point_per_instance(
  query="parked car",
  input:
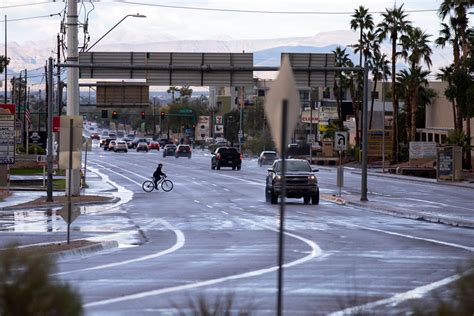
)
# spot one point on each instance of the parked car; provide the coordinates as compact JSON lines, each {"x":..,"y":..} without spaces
{"x":267,"y":157}
{"x":154,"y":145}
{"x":95,"y":136}
{"x":142,"y":146}
{"x":169,"y":150}
{"x":300,"y":181}
{"x":226,"y":157}
{"x":121,"y":146}
{"x":183,"y":151}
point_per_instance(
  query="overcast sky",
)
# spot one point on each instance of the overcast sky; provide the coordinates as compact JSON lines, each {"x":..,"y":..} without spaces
{"x":164,"y":23}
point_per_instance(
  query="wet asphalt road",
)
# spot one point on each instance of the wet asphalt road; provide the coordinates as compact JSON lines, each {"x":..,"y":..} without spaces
{"x":215,"y":235}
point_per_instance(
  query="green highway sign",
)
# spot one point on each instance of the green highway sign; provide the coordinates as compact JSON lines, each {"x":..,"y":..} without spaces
{"x":185,"y":111}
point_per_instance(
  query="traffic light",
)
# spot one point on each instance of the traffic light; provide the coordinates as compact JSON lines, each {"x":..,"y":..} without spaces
{"x":114,"y":115}
{"x":162,"y":114}
{"x":105,"y":114}
{"x":143,"y":115}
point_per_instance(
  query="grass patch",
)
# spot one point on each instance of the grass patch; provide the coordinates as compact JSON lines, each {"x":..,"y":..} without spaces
{"x":26,"y":171}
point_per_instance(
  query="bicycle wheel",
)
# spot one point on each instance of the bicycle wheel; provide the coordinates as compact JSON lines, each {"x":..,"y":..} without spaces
{"x":148,"y":186}
{"x":167,"y":185}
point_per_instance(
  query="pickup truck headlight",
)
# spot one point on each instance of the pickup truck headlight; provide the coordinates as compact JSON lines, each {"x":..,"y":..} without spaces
{"x":277,"y":179}
{"x":312,"y":179}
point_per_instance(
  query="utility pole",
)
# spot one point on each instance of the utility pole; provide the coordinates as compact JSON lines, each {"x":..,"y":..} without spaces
{"x":72,"y":84}
{"x":6,"y":59}
{"x":25,"y":133}
{"x":50,"y":131}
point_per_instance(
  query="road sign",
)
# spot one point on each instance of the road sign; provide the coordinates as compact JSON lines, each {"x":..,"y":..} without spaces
{"x":219,"y":119}
{"x":340,"y":141}
{"x":283,"y":90}
{"x":63,"y":212}
{"x":185,"y":111}
{"x":7,"y":134}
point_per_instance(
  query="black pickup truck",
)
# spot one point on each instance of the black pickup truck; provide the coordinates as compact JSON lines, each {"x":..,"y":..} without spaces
{"x":226,"y":157}
{"x":300,"y":181}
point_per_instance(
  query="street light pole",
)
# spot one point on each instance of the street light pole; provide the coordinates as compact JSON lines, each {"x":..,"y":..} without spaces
{"x":132,"y":15}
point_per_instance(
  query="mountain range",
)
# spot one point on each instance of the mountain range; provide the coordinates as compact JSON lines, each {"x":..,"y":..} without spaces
{"x":32,"y":55}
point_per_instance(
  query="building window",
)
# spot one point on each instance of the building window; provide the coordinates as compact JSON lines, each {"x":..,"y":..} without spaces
{"x":437,"y":138}
{"x":430,"y":137}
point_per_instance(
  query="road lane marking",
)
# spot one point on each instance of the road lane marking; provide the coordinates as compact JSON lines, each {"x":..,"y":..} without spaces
{"x":180,"y":240}
{"x":209,"y":206}
{"x":439,"y":242}
{"x":315,"y":251}
{"x":225,"y":189}
{"x":197,"y":201}
{"x":418,"y":292}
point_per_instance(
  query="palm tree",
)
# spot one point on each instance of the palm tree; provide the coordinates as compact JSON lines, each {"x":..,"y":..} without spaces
{"x":3,"y":63}
{"x":393,"y":25}
{"x":362,"y":20}
{"x":380,"y":71}
{"x":446,"y":74}
{"x":172,"y":90}
{"x":415,"y":50}
{"x":415,"y":47}
{"x":457,"y":9}
{"x":449,"y":35}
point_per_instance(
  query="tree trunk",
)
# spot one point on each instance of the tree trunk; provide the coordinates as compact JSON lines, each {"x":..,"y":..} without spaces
{"x":454,"y":116}
{"x":394,"y":106}
{"x":372,"y":104}
{"x":468,"y":162}
{"x":408,"y":106}
{"x":414,"y":109}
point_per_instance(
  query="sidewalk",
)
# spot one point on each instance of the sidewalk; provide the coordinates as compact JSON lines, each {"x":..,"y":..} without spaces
{"x":400,"y":207}
{"x":21,"y":195}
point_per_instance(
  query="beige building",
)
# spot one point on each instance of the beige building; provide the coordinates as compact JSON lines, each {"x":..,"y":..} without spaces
{"x":439,"y":118}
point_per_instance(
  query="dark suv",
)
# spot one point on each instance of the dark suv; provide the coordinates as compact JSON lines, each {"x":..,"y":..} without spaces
{"x":183,"y":151}
{"x":300,"y":181}
{"x":226,"y":157}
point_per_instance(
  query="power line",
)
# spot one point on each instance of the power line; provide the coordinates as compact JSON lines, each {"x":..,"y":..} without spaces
{"x":32,"y":17}
{"x":23,"y":5}
{"x":264,"y":11}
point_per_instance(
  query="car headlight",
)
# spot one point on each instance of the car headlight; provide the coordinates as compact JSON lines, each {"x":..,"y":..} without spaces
{"x":312,"y":179}
{"x":277,"y":179}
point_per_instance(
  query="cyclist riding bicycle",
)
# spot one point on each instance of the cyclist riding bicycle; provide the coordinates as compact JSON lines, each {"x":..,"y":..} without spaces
{"x":157,"y":175}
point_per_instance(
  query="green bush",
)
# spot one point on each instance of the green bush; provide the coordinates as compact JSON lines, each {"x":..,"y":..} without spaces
{"x":32,"y":149}
{"x":26,"y":287}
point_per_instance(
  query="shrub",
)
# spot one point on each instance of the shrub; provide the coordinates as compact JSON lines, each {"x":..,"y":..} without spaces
{"x":26,"y":287}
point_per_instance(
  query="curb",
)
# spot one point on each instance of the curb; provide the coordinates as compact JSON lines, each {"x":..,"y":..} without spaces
{"x":412,"y":215}
{"x":17,"y":208}
{"x":82,"y":251}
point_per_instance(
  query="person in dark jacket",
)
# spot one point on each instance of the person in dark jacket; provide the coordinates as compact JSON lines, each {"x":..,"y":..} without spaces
{"x":157,"y":175}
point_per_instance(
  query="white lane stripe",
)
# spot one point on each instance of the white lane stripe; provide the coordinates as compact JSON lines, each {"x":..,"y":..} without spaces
{"x":316,"y":251}
{"x":418,"y":292}
{"x":225,"y":189}
{"x":401,"y":297}
{"x":209,"y":206}
{"x":197,"y":201}
{"x":439,"y":242}
{"x":180,"y":240}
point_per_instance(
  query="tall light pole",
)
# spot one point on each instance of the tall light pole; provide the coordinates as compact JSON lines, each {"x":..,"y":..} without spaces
{"x":128,"y":15}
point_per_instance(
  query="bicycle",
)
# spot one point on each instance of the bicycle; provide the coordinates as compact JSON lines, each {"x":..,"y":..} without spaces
{"x":149,"y":185}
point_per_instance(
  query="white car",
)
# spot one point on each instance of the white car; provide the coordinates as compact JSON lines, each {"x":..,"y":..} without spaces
{"x":121,"y":146}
